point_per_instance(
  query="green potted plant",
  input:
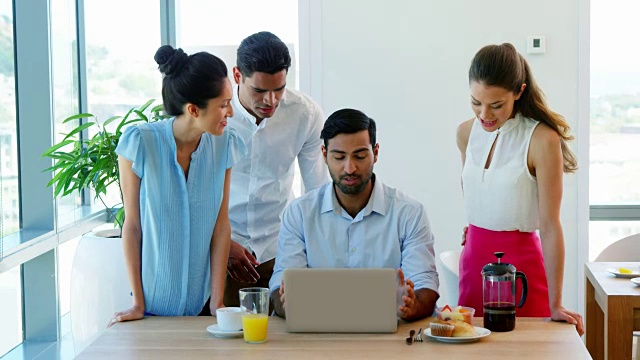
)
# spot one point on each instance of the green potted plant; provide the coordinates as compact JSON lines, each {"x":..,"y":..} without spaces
{"x":92,"y":163}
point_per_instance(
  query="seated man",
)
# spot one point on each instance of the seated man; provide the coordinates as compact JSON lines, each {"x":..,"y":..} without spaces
{"x":358,"y":222}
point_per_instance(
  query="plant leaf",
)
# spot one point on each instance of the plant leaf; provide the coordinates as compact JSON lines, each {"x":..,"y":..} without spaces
{"x":110,"y":120}
{"x":119,"y":218}
{"x":78,"y":129}
{"x":118,"y":130}
{"x":146,"y":105}
{"x":142,"y":115}
{"x":56,"y":147}
{"x":61,"y":156}
{"x":126,"y":116}
{"x":78,"y":116}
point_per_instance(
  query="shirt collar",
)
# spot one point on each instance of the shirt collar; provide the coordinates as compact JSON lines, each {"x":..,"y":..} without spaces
{"x":376,"y":202}
{"x":511,"y":123}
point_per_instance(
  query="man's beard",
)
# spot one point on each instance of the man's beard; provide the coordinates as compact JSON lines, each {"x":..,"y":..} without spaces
{"x":352,"y":189}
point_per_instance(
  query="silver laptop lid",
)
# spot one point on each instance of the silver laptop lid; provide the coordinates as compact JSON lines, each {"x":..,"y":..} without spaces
{"x":340,"y":300}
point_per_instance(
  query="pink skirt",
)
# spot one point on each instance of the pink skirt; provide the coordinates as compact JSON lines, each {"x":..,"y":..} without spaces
{"x":521,"y":249}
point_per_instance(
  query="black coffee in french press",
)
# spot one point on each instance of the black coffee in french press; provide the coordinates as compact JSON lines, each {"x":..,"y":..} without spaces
{"x":499,"y":294}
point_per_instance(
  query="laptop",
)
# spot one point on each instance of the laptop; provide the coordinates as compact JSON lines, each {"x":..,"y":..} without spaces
{"x":340,"y":300}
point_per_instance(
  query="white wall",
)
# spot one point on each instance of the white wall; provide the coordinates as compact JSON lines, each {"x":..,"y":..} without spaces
{"x":405,"y":64}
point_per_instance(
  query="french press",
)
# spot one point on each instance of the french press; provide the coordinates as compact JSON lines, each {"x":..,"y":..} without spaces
{"x":499,"y":294}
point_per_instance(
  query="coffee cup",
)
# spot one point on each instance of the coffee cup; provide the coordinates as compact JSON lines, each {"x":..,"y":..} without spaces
{"x":229,"y":318}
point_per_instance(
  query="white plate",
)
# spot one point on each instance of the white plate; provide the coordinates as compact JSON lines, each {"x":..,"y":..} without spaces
{"x":617,"y":273}
{"x":636,"y":281}
{"x":215,"y":330}
{"x":480,"y":333}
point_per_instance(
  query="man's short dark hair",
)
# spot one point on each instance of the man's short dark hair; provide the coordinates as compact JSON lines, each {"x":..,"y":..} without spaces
{"x":263,"y":52}
{"x":348,"y":121}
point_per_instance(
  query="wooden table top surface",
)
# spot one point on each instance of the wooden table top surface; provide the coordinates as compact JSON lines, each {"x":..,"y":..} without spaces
{"x":187,"y":338}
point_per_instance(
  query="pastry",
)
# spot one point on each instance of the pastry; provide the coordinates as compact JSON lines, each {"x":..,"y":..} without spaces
{"x":441,"y":328}
{"x":462,"y":329}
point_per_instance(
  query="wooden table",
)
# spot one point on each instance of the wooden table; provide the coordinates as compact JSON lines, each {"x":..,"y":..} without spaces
{"x":187,"y":338}
{"x":612,"y":311}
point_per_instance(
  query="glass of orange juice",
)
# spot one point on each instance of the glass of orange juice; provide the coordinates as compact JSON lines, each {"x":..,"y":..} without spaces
{"x":254,"y":303}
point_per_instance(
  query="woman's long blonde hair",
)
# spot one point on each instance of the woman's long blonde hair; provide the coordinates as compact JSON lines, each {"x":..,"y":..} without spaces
{"x":503,"y":66}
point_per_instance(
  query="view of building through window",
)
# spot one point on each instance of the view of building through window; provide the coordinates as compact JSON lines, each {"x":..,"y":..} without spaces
{"x":64,"y":63}
{"x":614,"y":167}
{"x":10,"y":282}
{"x":121,"y":74}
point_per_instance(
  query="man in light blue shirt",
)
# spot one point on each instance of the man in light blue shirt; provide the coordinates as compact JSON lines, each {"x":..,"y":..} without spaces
{"x":358,"y":222}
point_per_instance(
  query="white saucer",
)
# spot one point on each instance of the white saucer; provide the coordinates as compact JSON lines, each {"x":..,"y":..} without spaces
{"x":636,"y":281}
{"x":480,"y":333}
{"x":215,"y":330}
{"x":617,"y":273}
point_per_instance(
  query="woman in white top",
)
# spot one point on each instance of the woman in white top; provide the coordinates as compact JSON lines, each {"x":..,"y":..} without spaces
{"x":514,"y":153}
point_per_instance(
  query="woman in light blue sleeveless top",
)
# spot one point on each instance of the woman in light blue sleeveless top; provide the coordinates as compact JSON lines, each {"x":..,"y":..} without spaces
{"x":175,"y":176}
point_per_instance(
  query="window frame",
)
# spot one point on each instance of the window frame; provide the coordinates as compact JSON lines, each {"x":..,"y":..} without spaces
{"x":39,"y":236}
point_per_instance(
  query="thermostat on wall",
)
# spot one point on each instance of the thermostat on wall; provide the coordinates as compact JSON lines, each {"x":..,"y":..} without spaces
{"x":535,"y":45}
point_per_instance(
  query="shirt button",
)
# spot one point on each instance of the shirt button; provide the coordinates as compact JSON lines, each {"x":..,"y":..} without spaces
{"x":353,"y":250}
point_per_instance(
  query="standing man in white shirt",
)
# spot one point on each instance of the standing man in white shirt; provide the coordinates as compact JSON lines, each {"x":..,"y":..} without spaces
{"x":278,"y":125}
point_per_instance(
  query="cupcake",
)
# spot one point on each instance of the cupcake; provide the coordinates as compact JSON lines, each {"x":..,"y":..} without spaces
{"x":441,"y":328}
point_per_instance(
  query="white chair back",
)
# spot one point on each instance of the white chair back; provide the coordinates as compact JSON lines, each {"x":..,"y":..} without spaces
{"x":625,"y":249}
{"x":449,"y":275}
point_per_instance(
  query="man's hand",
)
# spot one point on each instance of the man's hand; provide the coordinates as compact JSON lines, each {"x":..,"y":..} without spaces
{"x":405,"y":290}
{"x":278,"y":300}
{"x":282,"y":294}
{"x":241,"y":265}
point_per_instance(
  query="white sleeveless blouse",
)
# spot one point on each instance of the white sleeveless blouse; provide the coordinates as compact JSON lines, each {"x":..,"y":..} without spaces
{"x":503,"y":197}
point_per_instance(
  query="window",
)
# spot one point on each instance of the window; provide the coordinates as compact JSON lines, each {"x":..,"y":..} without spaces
{"x":121,"y":72}
{"x":615,"y":119}
{"x":65,"y":89}
{"x":608,"y":232}
{"x":9,"y":220}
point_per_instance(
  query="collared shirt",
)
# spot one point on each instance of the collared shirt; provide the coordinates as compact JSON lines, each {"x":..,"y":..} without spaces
{"x":177,"y":215}
{"x":261,"y":183}
{"x":392,"y":231}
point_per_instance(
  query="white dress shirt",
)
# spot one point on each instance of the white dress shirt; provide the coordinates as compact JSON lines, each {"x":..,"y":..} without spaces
{"x":392,"y":231}
{"x":261,"y":183}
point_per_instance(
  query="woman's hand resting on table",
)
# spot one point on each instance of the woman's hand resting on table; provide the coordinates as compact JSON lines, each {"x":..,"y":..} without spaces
{"x":562,"y":314}
{"x":134,"y":313}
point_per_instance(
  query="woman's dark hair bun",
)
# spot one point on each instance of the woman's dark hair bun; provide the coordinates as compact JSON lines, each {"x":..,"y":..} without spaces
{"x":170,"y":60}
